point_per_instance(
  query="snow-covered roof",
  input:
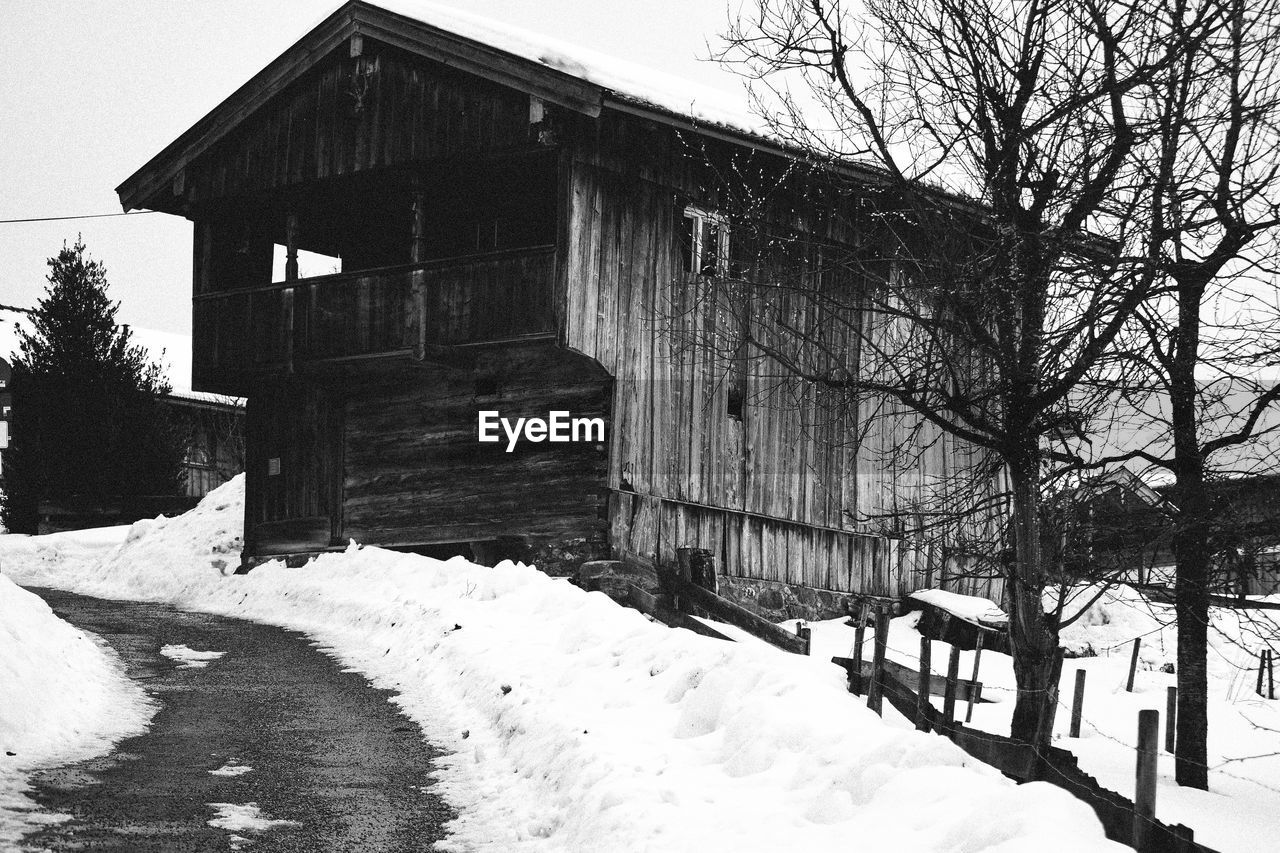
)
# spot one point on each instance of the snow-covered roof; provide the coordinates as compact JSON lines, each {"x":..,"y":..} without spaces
{"x":970,"y":608}
{"x":625,"y":80}
{"x":170,"y":349}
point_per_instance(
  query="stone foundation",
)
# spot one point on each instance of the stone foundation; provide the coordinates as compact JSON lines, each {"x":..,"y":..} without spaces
{"x":614,"y":578}
{"x":779,"y":602}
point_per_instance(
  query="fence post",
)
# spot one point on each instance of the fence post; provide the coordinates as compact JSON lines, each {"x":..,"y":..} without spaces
{"x":973,"y":682}
{"x":949,"y":696}
{"x":1262,"y":657}
{"x":702,"y":568}
{"x":1133,"y":663}
{"x":806,"y":635}
{"x":875,"y":689}
{"x":1144,"y":795}
{"x":860,"y":635}
{"x":1271,"y":674}
{"x":1077,"y":703}
{"x":922,"y":684}
{"x":1171,"y":721}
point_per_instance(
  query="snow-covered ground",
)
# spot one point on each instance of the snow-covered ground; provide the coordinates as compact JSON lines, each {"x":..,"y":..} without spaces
{"x":1241,"y":811}
{"x":573,"y":724}
{"x":63,"y":697}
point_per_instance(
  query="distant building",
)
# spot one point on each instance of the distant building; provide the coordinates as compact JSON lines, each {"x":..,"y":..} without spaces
{"x":214,"y":425}
{"x":1129,"y":527}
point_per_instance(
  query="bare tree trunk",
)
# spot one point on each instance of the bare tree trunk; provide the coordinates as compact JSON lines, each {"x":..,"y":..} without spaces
{"x":1190,"y":547}
{"x":1033,"y":643}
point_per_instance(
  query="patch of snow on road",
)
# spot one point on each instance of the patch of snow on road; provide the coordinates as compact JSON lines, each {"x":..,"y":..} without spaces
{"x":570,"y":723}
{"x":231,"y":769}
{"x":244,"y":817}
{"x":64,"y":697}
{"x":189,"y":658}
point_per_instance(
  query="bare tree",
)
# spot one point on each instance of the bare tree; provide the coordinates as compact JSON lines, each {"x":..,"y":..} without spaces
{"x":1213,"y":323}
{"x":993,"y":325}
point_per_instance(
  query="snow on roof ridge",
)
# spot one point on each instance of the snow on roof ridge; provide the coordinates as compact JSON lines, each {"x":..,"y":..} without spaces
{"x":631,"y":81}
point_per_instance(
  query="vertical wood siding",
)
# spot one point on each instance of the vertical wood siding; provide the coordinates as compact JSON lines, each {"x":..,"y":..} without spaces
{"x":781,"y":494}
{"x":357,"y":113}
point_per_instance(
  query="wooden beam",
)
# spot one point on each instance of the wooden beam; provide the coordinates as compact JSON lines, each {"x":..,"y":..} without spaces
{"x":734,"y":614}
{"x":479,"y":59}
{"x":660,"y":609}
{"x":907,"y":675}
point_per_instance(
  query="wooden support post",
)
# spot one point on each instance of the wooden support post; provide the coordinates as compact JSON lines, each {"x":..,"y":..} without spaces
{"x":1271,"y":674}
{"x":949,"y":696}
{"x":702,"y":569}
{"x":418,"y":234}
{"x":1133,"y":663}
{"x":418,"y":288}
{"x":1077,"y":704}
{"x":922,"y":684}
{"x":860,"y":635}
{"x":685,"y":571}
{"x":1262,"y":657}
{"x":806,"y":634}
{"x":286,"y":310}
{"x":973,"y":682}
{"x":875,"y":690}
{"x":1144,"y":794}
{"x":1171,"y":721}
{"x":291,"y":246}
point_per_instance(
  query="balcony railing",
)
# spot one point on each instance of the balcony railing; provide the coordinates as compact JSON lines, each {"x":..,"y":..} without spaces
{"x":391,"y":311}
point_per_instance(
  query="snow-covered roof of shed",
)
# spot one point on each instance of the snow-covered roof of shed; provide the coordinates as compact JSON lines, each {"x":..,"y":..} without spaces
{"x":625,"y":80}
{"x":970,"y":608}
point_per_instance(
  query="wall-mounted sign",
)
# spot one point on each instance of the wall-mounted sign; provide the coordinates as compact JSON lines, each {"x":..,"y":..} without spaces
{"x":273,"y":466}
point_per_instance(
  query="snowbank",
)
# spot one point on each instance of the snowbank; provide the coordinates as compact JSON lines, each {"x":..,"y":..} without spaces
{"x":64,"y":698}
{"x":574,"y":724}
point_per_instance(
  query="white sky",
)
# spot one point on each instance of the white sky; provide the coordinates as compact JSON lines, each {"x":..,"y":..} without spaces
{"x":95,"y":88}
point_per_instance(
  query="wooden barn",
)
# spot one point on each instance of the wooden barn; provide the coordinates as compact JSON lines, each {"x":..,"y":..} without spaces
{"x":506,"y":229}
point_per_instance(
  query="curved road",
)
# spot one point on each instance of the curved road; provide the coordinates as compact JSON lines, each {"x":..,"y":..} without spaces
{"x":328,"y":752}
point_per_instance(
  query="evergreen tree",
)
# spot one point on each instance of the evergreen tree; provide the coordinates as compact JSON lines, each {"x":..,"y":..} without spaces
{"x":88,"y":417}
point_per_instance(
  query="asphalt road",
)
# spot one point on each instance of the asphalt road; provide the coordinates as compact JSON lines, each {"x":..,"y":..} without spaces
{"x":328,"y":752}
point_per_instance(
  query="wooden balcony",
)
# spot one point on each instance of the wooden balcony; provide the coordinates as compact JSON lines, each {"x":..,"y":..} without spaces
{"x":403,"y":311}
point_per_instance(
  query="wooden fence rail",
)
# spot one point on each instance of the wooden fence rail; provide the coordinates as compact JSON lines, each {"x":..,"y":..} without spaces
{"x":689,"y":597}
{"x":1021,"y":762}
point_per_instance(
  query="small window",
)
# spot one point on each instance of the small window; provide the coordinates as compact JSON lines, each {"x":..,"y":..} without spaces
{"x":704,"y":242}
{"x":733,"y":407}
{"x":200,"y":449}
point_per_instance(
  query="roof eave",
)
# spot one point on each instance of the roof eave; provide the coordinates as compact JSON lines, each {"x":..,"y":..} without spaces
{"x":142,"y":189}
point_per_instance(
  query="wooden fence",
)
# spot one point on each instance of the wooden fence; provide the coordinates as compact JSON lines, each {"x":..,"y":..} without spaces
{"x":1023,"y":763}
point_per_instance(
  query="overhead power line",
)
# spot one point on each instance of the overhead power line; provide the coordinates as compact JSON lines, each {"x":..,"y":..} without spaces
{"x":81,"y":216}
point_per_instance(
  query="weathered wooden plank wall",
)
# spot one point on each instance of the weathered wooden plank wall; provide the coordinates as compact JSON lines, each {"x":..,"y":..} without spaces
{"x":384,"y":108}
{"x":415,"y":472}
{"x":788,"y":492}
